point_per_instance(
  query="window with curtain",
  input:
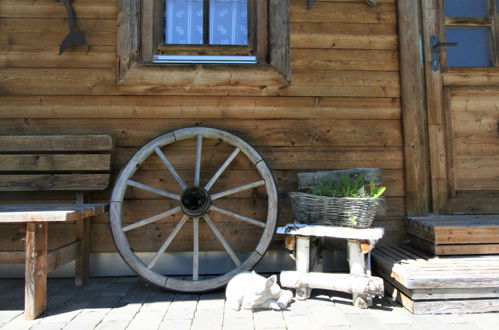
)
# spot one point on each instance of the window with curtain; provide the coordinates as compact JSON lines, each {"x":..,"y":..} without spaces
{"x":206,"y":22}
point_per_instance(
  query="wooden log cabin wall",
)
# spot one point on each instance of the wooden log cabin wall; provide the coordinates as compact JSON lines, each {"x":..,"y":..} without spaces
{"x":341,"y":109}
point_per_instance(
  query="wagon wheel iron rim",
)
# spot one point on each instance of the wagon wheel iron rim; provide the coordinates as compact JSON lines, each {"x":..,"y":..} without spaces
{"x":196,"y":203}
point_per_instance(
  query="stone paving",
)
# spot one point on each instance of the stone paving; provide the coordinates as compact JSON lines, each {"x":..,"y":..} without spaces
{"x":129,"y":303}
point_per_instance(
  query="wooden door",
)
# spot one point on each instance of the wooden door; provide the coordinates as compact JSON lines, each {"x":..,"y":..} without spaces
{"x":462,"y":94}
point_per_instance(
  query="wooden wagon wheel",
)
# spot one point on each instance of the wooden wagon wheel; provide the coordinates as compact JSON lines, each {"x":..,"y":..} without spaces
{"x":195,"y":204}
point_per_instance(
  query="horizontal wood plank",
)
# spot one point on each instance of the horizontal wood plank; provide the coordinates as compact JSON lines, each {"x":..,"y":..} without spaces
{"x":48,"y":212}
{"x":54,"y":162}
{"x":68,"y":143}
{"x":37,"y":182}
{"x":206,"y":107}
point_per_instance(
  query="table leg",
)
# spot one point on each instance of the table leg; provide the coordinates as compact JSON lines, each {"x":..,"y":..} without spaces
{"x":35,"y":296}
{"x":82,"y":231}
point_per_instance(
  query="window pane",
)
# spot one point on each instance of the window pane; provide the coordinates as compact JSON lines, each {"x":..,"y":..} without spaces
{"x":473,"y":49}
{"x":184,"y":22}
{"x":228,"y":22}
{"x":466,"y":8}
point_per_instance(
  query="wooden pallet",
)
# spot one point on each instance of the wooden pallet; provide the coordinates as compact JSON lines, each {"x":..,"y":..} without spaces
{"x":439,"y":285}
{"x":455,"y":235}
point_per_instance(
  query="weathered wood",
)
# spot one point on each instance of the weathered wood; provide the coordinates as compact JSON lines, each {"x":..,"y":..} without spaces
{"x":35,"y":294}
{"x":199,"y":134}
{"x":57,"y":162}
{"x":413,"y":109}
{"x":413,"y":273}
{"x":55,"y":143}
{"x":49,"y":212}
{"x":457,"y":229}
{"x":12,"y":257}
{"x":356,"y":284}
{"x":280,"y":57}
{"x":443,"y":306}
{"x":82,"y":263}
{"x":207,"y":107}
{"x":59,"y":257}
{"x":37,"y":182}
{"x":437,"y":138}
{"x":454,"y":249}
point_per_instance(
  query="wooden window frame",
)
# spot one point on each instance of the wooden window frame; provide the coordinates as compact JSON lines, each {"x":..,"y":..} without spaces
{"x":492,"y":22}
{"x":136,"y":46}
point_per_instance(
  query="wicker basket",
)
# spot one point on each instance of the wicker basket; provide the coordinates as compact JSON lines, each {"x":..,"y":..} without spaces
{"x":337,"y":211}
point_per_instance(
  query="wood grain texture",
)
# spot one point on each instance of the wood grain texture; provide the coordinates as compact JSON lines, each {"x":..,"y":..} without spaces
{"x":413,"y":109}
{"x":35,"y":294}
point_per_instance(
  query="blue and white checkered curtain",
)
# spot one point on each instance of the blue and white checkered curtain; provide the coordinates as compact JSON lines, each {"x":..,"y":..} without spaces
{"x":228,"y":22}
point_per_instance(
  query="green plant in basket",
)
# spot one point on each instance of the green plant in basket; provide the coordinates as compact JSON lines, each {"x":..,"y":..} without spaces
{"x":347,"y":187}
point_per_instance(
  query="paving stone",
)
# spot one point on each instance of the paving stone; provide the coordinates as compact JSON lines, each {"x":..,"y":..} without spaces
{"x":112,"y":325}
{"x":99,"y":283}
{"x":122,"y":313}
{"x":328,"y":315}
{"x":146,"y":320}
{"x":172,"y":324}
{"x":182,"y":307}
{"x":87,"y":319}
{"x":8,"y":315}
{"x":48,"y":326}
{"x":238,"y":324}
{"x":485,"y":321}
{"x":230,"y":314}
{"x":207,"y":321}
{"x":120,"y":287}
{"x":266,"y":319}
{"x":19,"y":323}
{"x":363,"y":321}
{"x":300,"y":322}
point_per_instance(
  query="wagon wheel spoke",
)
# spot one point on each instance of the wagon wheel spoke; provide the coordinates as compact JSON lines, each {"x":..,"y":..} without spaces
{"x":221,"y":169}
{"x":239,"y":217}
{"x":195,"y":254}
{"x":153,"y":218}
{"x":152,"y":189}
{"x":168,"y":241}
{"x":170,"y":167}
{"x":222,"y":240}
{"x":237,"y":189}
{"x":199,"y":147}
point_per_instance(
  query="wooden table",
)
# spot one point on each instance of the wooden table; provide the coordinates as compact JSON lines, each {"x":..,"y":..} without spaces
{"x":37,"y":258}
{"x":358,"y":282}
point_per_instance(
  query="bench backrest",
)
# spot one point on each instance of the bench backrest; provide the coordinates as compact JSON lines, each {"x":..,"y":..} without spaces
{"x":55,"y":162}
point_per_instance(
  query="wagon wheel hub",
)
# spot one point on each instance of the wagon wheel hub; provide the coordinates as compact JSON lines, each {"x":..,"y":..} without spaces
{"x":195,"y":201}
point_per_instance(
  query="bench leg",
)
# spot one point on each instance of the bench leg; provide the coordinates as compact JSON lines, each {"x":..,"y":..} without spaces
{"x":82,"y":262}
{"x":35,"y":294}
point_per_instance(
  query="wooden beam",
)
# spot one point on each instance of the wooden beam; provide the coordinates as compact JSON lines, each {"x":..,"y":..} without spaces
{"x":12,"y":257}
{"x":436,"y":113}
{"x":35,"y":295}
{"x":413,"y":109}
{"x":82,"y":233}
{"x":59,"y":257}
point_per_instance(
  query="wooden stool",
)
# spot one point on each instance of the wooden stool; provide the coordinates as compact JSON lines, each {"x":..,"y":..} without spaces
{"x":358,"y":282}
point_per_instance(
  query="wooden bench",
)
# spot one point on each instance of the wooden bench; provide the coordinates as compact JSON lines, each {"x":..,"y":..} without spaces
{"x":455,"y":234}
{"x":75,"y":163}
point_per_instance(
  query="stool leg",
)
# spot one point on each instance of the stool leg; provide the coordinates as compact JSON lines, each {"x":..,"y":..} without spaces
{"x":82,"y":231}
{"x":35,"y":294}
{"x":303,"y":264}
{"x":357,"y":264}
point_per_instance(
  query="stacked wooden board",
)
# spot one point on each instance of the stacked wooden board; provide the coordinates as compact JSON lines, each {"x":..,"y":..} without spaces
{"x":455,"y":235}
{"x":437,"y":285}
